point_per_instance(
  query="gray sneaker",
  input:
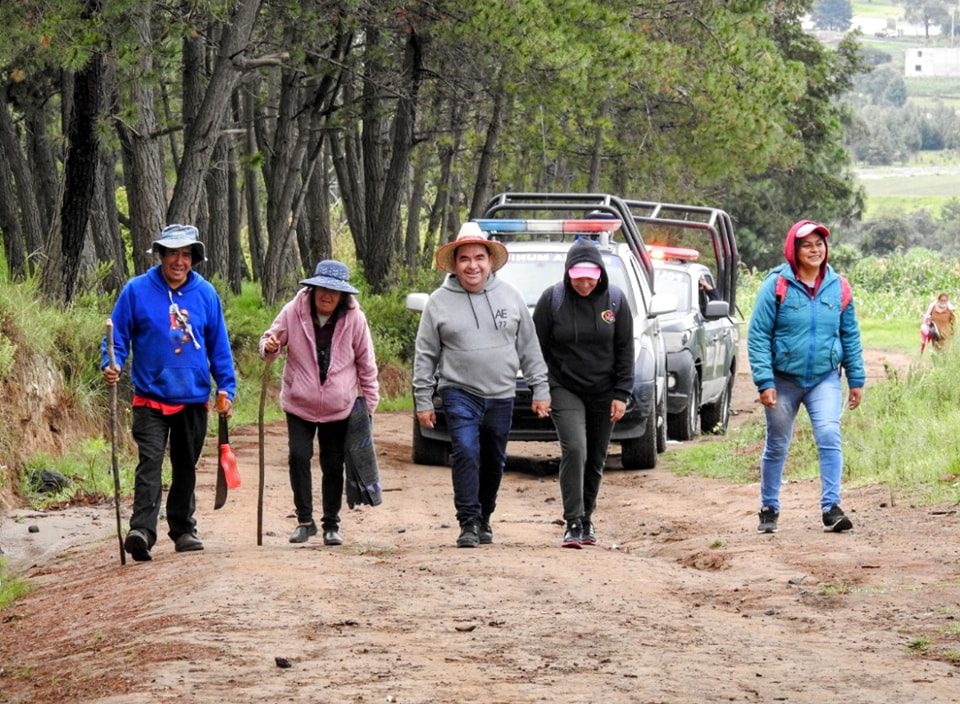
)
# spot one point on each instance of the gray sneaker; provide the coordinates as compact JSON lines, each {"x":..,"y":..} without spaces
{"x":768,"y":520}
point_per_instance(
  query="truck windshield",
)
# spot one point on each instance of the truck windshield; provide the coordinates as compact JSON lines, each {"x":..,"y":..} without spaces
{"x":675,"y":282}
{"x":533,"y":272}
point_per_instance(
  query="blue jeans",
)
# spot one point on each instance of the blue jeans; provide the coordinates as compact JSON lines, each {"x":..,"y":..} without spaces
{"x":478,"y":434}
{"x":823,"y":403}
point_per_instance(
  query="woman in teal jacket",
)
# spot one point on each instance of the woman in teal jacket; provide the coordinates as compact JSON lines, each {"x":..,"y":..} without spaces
{"x":803,"y":331}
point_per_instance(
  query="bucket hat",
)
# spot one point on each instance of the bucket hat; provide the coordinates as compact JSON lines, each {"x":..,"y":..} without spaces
{"x":331,"y":274}
{"x":177,"y":236}
{"x":470,"y":233}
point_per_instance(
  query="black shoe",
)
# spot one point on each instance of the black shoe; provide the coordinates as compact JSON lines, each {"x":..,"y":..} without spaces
{"x":331,"y":536}
{"x":187,"y":542}
{"x":835,"y":520}
{"x":137,"y":545}
{"x":303,"y":532}
{"x":588,"y":534}
{"x":768,"y":520}
{"x":486,"y":531}
{"x":469,"y":534}
{"x":573,"y":535}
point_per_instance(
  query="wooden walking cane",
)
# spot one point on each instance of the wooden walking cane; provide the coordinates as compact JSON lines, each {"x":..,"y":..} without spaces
{"x":263,"y":399}
{"x":113,"y":441}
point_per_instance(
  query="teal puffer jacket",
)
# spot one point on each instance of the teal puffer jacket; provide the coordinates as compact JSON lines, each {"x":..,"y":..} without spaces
{"x":808,"y":337}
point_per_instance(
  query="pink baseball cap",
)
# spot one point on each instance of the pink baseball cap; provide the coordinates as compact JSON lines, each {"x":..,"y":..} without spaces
{"x":584,"y":271}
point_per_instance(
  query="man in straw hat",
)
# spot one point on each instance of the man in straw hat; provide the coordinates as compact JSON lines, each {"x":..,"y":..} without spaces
{"x":171,"y":320}
{"x":475,"y":333}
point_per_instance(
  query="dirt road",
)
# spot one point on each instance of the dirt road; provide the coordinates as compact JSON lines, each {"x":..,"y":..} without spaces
{"x":680,"y":602}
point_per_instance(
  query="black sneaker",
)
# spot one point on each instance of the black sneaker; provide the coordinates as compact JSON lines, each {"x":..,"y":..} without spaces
{"x":303,"y":532}
{"x":331,"y":536}
{"x":768,"y":520}
{"x":469,"y":534}
{"x":835,"y":520}
{"x":573,"y":535}
{"x":137,"y":545}
{"x":187,"y":542}
{"x":588,"y":534}
{"x":486,"y":531}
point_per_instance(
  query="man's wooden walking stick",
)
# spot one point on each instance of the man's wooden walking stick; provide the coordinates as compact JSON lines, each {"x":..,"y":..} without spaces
{"x":113,"y":441}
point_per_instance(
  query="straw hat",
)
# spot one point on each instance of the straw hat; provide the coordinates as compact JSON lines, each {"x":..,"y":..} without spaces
{"x":470,"y":233}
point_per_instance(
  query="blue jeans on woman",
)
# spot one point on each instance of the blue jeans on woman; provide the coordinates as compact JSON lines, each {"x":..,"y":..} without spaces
{"x":478,"y":430}
{"x":824,"y":403}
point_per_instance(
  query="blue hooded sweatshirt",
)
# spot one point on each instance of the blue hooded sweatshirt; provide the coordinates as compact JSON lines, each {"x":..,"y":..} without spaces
{"x":811,"y":335}
{"x":178,"y":339}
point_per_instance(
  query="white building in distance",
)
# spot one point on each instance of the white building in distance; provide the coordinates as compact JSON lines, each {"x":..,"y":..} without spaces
{"x":919,"y":63}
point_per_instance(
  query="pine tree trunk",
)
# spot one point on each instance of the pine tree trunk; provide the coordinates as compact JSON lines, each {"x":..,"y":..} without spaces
{"x":142,"y":152}
{"x":441,"y":203}
{"x":104,"y":225}
{"x":418,"y":180}
{"x":29,"y":209}
{"x":250,"y":191}
{"x":217,"y":235}
{"x":13,"y":246}
{"x":483,"y":188}
{"x":44,"y":163}
{"x":80,"y":175}
{"x":319,"y":245}
{"x":236,"y":267}
{"x":205,"y":128}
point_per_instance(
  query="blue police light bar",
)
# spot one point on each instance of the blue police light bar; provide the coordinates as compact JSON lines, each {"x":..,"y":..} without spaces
{"x":554,"y":227}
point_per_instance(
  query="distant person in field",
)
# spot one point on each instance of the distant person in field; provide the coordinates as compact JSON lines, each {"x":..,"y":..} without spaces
{"x":802,"y":333}
{"x":939,"y":323}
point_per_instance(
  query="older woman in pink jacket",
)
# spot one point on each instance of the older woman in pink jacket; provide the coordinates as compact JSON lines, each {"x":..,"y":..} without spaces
{"x":330,"y":360}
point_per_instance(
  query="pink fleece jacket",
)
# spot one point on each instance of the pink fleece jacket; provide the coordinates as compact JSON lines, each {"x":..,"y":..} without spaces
{"x":353,"y":365}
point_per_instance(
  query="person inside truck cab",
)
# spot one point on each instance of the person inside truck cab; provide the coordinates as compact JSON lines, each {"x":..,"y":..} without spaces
{"x":707,"y":293}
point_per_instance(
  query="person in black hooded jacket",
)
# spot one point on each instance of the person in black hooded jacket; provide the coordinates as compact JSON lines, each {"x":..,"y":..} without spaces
{"x":586,"y":334}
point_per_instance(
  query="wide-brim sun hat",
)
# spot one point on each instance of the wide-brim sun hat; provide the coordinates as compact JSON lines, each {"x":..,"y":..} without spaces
{"x":331,"y":274}
{"x":470,"y":233}
{"x":177,"y":236}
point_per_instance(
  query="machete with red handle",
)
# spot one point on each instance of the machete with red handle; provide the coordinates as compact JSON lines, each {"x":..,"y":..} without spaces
{"x":228,"y":474}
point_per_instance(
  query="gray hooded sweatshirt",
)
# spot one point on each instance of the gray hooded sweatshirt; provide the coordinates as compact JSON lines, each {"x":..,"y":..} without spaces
{"x":477,"y":342}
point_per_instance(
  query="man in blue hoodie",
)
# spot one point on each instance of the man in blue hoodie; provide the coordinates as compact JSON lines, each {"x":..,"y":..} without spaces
{"x":803,"y":331}
{"x":170,"y":320}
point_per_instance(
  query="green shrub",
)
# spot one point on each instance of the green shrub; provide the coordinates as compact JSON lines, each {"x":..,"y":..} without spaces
{"x":11,"y":588}
{"x":89,"y":468}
